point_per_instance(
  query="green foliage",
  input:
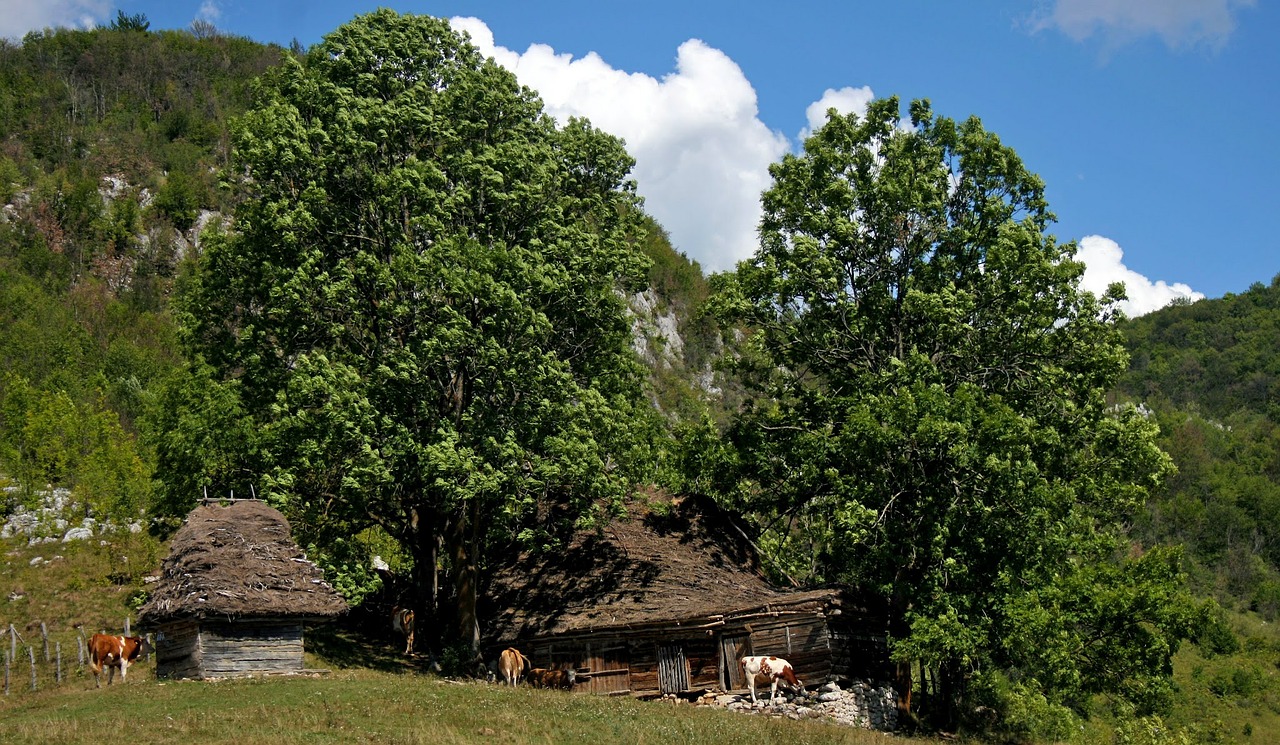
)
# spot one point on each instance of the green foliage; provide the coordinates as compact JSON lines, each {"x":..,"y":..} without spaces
{"x":47,"y":438}
{"x":131,"y":22}
{"x":177,"y":200}
{"x":1216,"y":355}
{"x":930,"y":383}
{"x":1019,"y":712}
{"x":417,"y":324}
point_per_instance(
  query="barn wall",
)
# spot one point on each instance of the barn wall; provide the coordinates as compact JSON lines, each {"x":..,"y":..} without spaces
{"x":178,"y":651}
{"x":819,"y":640}
{"x":217,"y":649}
{"x":804,"y":641}
{"x":249,"y":647}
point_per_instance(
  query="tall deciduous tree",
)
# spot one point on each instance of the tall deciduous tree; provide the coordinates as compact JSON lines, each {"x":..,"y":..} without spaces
{"x":931,"y":419}
{"x":418,"y":307}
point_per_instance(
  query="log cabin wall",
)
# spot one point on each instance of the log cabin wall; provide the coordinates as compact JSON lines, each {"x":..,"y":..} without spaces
{"x":218,"y":649}
{"x":178,"y":651}
{"x":249,"y":647}
{"x":824,"y":637}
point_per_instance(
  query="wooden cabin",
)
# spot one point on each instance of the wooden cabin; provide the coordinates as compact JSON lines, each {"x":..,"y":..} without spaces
{"x":234,"y":595}
{"x":667,"y":602}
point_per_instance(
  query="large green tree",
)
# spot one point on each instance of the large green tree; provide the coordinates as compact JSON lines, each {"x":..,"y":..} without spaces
{"x":416,"y":322}
{"x":930,"y":418}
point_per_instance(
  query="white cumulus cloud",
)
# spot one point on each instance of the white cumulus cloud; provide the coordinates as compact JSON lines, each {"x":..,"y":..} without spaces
{"x":846,"y":101}
{"x":702,"y":153}
{"x":1179,"y":23}
{"x":1104,"y":264}
{"x":18,"y":17}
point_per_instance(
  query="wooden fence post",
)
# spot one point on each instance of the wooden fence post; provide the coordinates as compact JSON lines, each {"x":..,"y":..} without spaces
{"x":44,"y":637}
{"x":80,"y":650}
{"x":57,"y":671}
{"x":7,"y":659}
{"x":126,"y":625}
{"x":31,"y":652}
{"x":13,"y":642}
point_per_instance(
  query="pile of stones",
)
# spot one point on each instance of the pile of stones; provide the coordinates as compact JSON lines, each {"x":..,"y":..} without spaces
{"x":859,"y":704}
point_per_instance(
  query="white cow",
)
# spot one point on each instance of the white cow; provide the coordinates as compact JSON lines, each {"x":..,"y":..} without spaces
{"x":775,"y":669}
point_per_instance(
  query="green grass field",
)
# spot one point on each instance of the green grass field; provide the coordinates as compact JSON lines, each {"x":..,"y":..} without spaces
{"x":369,"y":695}
{"x":351,"y":706}
{"x":372,"y":695}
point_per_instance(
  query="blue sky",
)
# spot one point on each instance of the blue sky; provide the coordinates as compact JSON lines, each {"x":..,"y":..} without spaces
{"x":1138,"y":114}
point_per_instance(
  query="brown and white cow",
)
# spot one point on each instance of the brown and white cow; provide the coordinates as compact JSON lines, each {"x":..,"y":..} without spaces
{"x":542,"y":678}
{"x":113,"y":652}
{"x":402,"y":622}
{"x":511,"y":666}
{"x":775,"y":669}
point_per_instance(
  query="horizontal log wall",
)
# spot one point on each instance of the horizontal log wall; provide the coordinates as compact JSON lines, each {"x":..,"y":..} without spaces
{"x":820,"y":646}
{"x":242,"y":648}
{"x":178,"y":652}
{"x":216,"y":649}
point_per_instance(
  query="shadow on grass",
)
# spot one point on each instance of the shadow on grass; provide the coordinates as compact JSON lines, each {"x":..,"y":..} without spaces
{"x":349,"y":643}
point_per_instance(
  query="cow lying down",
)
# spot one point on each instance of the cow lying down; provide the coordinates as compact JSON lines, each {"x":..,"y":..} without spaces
{"x":775,"y":670}
{"x":542,"y":678}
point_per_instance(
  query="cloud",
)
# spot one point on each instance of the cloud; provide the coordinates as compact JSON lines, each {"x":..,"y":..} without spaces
{"x":209,"y":11}
{"x":846,"y":101}
{"x":1103,"y":260}
{"x":1180,"y":23}
{"x":702,"y":153}
{"x":19,"y":18}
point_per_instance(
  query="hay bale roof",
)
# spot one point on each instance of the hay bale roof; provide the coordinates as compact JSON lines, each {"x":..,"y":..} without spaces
{"x":646,"y":569}
{"x":239,"y":561}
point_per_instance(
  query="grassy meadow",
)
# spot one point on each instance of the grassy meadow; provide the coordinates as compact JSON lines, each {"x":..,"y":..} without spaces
{"x":349,"y":706}
{"x":369,"y":694}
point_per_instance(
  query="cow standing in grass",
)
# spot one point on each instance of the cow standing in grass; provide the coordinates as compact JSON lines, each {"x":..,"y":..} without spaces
{"x":512,"y":666}
{"x":112,"y":652}
{"x":402,"y":622}
{"x":774,"y":669}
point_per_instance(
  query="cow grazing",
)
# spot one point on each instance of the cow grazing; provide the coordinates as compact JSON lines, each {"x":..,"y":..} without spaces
{"x":402,"y":622}
{"x":512,"y":666}
{"x":541,"y":678}
{"x":113,"y":652}
{"x":775,"y":669}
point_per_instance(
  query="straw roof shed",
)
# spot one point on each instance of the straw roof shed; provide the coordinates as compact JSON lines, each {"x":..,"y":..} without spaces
{"x":667,"y":601}
{"x":234,"y":594}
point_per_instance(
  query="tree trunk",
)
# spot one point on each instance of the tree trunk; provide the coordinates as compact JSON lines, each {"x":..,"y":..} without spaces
{"x":425,"y":547}
{"x":898,"y":629}
{"x":464,"y":554}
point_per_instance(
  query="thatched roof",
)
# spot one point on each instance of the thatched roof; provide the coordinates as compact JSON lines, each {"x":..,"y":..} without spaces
{"x":644,"y":569}
{"x":239,"y":561}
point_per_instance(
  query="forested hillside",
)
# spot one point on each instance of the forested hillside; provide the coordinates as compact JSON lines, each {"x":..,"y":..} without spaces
{"x":1210,"y":374}
{"x":110,"y":142}
{"x":417,"y":359}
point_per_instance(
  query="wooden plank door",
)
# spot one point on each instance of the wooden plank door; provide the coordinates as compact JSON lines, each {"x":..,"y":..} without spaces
{"x":673,"y":669}
{"x":732,"y":650}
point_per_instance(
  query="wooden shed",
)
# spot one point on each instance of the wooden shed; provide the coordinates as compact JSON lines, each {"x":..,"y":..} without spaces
{"x":234,"y":595}
{"x":668,"y":602}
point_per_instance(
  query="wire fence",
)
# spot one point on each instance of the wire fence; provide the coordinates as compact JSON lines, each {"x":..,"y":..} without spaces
{"x":41,"y":659}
